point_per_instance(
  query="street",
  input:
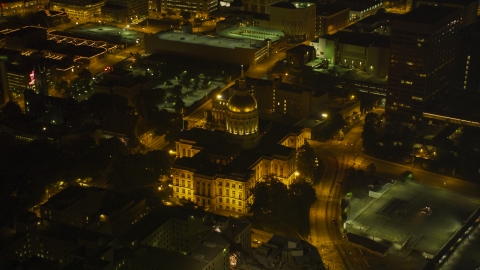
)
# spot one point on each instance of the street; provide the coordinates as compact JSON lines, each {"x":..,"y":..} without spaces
{"x":338,"y":156}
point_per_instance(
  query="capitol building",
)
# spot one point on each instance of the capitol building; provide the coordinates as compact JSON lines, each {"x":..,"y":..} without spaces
{"x":216,"y":169}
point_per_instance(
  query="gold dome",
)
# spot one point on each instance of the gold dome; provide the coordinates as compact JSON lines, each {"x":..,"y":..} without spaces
{"x":242,"y":103}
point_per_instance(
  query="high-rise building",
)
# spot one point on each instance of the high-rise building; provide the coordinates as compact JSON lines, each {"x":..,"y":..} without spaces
{"x":198,"y":8}
{"x":259,"y":6}
{"x":468,"y":8}
{"x":422,"y":54}
{"x":295,"y":19}
{"x":136,"y":9}
{"x":4,"y":97}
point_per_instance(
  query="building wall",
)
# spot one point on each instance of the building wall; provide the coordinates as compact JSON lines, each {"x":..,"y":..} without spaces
{"x":332,"y":23}
{"x":137,"y":9}
{"x":259,"y":6}
{"x":83,"y":12}
{"x":294,"y":22}
{"x":272,"y":100}
{"x":4,"y":91}
{"x":198,"y":8}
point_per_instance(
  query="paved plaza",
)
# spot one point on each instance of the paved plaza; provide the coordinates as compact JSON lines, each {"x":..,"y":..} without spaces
{"x":397,"y":216}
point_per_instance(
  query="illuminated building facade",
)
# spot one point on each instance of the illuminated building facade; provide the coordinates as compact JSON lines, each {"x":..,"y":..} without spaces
{"x":468,"y":8}
{"x":82,"y":10}
{"x":216,"y":169}
{"x":21,"y":77}
{"x":198,"y":8}
{"x":295,"y":19}
{"x":331,"y":18}
{"x":422,"y":55}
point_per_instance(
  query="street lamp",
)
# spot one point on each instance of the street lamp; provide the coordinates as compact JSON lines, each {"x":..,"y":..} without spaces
{"x":324,"y":115}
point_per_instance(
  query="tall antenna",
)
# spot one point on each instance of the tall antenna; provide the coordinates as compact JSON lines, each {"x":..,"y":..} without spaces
{"x":241,"y":75}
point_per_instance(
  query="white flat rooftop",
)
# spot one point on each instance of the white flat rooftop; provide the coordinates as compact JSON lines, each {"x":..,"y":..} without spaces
{"x":252,"y":33}
{"x":209,"y":40}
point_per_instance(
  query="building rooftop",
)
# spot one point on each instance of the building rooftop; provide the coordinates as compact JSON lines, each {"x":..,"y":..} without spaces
{"x":25,"y":31}
{"x":208,"y":40}
{"x":329,"y":10}
{"x":210,"y":246}
{"x":426,"y":14}
{"x":66,"y":197}
{"x":239,"y":167}
{"x":252,"y":33}
{"x":154,"y":219}
{"x":71,"y":234}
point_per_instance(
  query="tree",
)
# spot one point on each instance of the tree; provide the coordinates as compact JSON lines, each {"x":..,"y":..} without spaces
{"x":371,"y":167}
{"x":369,"y":135}
{"x":100,"y":104}
{"x":138,"y":171}
{"x":11,"y":112}
{"x":306,"y":162}
{"x":176,"y":91}
{"x":85,"y":76}
{"x":154,"y":96}
{"x":371,"y":118}
{"x":187,"y":15}
{"x":302,"y":194}
{"x":170,"y":12}
{"x":179,"y":105}
{"x":61,"y":86}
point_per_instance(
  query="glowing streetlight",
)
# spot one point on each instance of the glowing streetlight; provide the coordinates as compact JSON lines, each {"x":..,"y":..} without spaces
{"x":324,"y":115}
{"x":219,"y":96}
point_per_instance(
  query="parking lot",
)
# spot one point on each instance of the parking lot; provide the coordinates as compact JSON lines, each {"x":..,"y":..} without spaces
{"x":397,"y":217}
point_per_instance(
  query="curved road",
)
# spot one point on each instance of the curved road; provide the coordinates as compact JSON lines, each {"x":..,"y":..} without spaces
{"x":338,"y":156}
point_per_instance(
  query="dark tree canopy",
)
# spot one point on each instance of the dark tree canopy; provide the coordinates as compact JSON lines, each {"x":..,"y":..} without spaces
{"x":306,"y":162}
{"x":11,"y":112}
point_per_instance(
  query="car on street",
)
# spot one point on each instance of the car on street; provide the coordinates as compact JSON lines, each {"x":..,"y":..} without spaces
{"x":427,"y":211}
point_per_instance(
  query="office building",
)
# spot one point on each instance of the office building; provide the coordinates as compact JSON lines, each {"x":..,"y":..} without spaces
{"x":298,"y":56}
{"x":26,"y":76}
{"x":135,"y":9}
{"x":422,"y":56}
{"x":198,"y":8}
{"x":259,"y":6}
{"x":365,"y":51}
{"x":295,"y":19}
{"x":468,"y":8}
{"x":186,"y":238}
{"x":276,"y":100}
{"x":362,"y":9}
{"x":467,"y":60}
{"x":82,"y":10}
{"x":331,"y":18}
{"x":96,"y":209}
{"x":4,"y":93}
